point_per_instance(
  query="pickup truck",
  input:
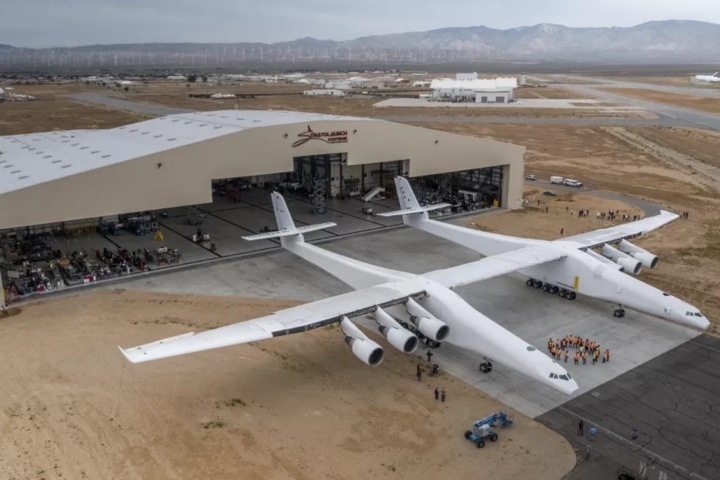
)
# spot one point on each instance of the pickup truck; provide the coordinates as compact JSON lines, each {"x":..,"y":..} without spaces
{"x":572,"y":183}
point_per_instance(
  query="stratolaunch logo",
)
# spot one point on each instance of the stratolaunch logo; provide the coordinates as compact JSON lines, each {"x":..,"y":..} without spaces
{"x":327,"y":137}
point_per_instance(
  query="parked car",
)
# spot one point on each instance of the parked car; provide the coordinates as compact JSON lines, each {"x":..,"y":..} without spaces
{"x":530,"y":177}
{"x":550,"y":193}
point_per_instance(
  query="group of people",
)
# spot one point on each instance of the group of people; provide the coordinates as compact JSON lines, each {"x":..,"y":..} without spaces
{"x":583,"y":347}
{"x":438,"y":393}
{"x":611,"y":215}
{"x":685,"y":214}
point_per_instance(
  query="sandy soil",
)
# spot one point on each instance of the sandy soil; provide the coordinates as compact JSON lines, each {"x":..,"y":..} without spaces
{"x":689,"y":249}
{"x":61,"y":114}
{"x":562,"y":213}
{"x":547,"y":92}
{"x":300,"y":407}
{"x":710,"y":105}
{"x":703,"y":145}
{"x":681,"y":81}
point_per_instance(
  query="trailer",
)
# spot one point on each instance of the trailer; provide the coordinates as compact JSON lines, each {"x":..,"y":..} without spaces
{"x":556,"y":179}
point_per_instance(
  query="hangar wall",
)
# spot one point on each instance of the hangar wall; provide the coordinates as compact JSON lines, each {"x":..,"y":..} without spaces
{"x":182,"y":176}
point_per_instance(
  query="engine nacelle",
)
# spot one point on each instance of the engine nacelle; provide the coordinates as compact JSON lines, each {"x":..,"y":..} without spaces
{"x":624,"y":260}
{"x":648,"y":259}
{"x":397,"y":336}
{"x":428,"y":325}
{"x":400,"y":338}
{"x":369,"y":352}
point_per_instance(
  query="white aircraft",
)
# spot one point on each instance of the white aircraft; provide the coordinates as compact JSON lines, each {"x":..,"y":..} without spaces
{"x":579,"y":270}
{"x":708,"y":78}
{"x":403,"y":305}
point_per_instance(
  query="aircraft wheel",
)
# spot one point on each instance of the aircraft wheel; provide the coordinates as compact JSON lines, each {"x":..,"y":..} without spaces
{"x":545,"y":288}
{"x":554,"y":290}
{"x":619,"y":313}
{"x":538,"y":284}
{"x":563,"y":293}
{"x":571,"y":296}
{"x":530,"y":282}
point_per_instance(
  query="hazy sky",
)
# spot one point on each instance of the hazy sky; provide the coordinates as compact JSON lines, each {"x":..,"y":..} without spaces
{"x":45,"y":23}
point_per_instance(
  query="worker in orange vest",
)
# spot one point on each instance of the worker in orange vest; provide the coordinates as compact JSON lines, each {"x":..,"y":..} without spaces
{"x":552,"y":351}
{"x":604,"y":356}
{"x":577,"y":358}
{"x":585,"y":358}
{"x":567,"y":355}
{"x":607,"y":352}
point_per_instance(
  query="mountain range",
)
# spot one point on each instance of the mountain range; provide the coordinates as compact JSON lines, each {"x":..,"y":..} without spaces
{"x":672,"y":41}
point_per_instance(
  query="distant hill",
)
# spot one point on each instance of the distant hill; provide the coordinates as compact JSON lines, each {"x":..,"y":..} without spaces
{"x":672,"y":42}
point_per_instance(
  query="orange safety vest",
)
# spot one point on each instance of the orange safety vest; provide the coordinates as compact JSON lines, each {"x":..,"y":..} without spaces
{"x":585,"y":355}
{"x":567,"y":354}
{"x":577,"y":356}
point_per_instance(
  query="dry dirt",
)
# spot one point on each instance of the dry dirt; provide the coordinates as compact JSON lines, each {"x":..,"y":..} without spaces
{"x":683,"y":81}
{"x":689,"y":249}
{"x":703,"y":145}
{"x":562,"y":213}
{"x":300,"y":407}
{"x":547,"y":92}
{"x":710,"y":105}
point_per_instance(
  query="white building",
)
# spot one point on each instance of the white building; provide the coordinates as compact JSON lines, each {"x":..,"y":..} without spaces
{"x":338,"y":85}
{"x":466,"y":76}
{"x":2,"y":95}
{"x":311,"y":81}
{"x":421,"y":84}
{"x":176,"y":77}
{"x":326,"y":91}
{"x":496,"y":90}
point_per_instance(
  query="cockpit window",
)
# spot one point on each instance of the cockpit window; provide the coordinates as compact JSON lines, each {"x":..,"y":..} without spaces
{"x":697,"y":314}
{"x":666,"y":294}
{"x":564,"y":377}
{"x":569,"y":376}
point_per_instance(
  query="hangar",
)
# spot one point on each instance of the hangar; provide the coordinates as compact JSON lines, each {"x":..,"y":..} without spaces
{"x":57,"y":177}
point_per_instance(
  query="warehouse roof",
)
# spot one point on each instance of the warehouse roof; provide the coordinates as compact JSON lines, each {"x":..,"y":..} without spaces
{"x":450,"y":83}
{"x":27,"y":160}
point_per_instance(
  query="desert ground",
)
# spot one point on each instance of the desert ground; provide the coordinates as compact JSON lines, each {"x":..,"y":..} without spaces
{"x":300,"y":406}
{"x":703,"y":104}
{"x":547,"y":92}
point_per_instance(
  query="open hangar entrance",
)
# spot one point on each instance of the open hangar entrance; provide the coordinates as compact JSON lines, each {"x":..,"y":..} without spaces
{"x":210,"y":173}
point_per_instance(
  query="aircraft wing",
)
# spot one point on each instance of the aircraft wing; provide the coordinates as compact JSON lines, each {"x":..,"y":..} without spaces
{"x":292,"y":320}
{"x":625,"y":231}
{"x":495,"y":266}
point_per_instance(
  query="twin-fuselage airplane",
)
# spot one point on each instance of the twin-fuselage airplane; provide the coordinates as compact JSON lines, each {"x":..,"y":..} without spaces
{"x":406,"y":306}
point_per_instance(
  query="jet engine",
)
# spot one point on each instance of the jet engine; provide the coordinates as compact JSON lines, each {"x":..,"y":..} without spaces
{"x":428,"y":325}
{"x":623,"y":259}
{"x":397,"y":336}
{"x":365,"y":349}
{"x":646,"y":258}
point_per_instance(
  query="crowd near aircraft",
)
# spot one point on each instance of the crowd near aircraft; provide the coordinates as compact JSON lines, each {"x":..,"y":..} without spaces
{"x":714,"y":78}
{"x":403,"y":305}
{"x":575,"y":266}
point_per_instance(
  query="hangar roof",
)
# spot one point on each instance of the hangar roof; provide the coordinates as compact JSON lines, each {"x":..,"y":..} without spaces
{"x":27,"y":160}
{"x":481,"y":83}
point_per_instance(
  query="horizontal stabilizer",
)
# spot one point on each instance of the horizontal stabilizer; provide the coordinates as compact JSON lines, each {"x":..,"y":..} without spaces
{"x":289,"y":233}
{"x":412,"y":211}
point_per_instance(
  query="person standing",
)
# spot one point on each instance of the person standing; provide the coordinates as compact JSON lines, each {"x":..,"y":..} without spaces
{"x":607,"y":354}
{"x":567,"y":355}
{"x":581,"y":428}
{"x":436,"y":393}
{"x":587,"y":452}
{"x":419,"y":373}
{"x":562,"y":230}
{"x":634,"y":434}
{"x":584,"y":358}
{"x":442,"y":395}
{"x":429,"y":355}
{"x":577,"y":358}
{"x":593,"y":432}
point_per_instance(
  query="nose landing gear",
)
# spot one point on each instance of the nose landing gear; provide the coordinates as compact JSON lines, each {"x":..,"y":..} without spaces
{"x":620,"y":312}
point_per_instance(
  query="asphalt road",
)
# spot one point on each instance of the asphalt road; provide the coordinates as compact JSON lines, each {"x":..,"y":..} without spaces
{"x":673,"y":401}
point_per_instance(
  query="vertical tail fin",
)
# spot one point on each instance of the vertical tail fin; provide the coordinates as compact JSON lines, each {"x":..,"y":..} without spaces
{"x":406,"y":196}
{"x":285,"y":223}
{"x":282,"y":214}
{"x":409,"y":204}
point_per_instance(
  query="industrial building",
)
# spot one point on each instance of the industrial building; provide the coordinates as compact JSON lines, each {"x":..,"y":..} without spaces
{"x":57,"y":188}
{"x":496,"y":90}
{"x":327,"y":92}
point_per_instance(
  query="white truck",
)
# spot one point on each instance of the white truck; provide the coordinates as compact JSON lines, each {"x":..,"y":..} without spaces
{"x":558,"y":180}
{"x":572,"y":183}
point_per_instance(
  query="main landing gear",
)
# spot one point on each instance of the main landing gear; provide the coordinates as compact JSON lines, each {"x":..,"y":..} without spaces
{"x":619,"y":313}
{"x":553,"y":289}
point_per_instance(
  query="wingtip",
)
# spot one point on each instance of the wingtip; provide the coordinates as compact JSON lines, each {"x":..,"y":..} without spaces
{"x":127,"y":357}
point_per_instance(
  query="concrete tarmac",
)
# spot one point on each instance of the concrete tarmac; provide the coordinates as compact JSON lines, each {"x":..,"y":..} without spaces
{"x":674,"y":403}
